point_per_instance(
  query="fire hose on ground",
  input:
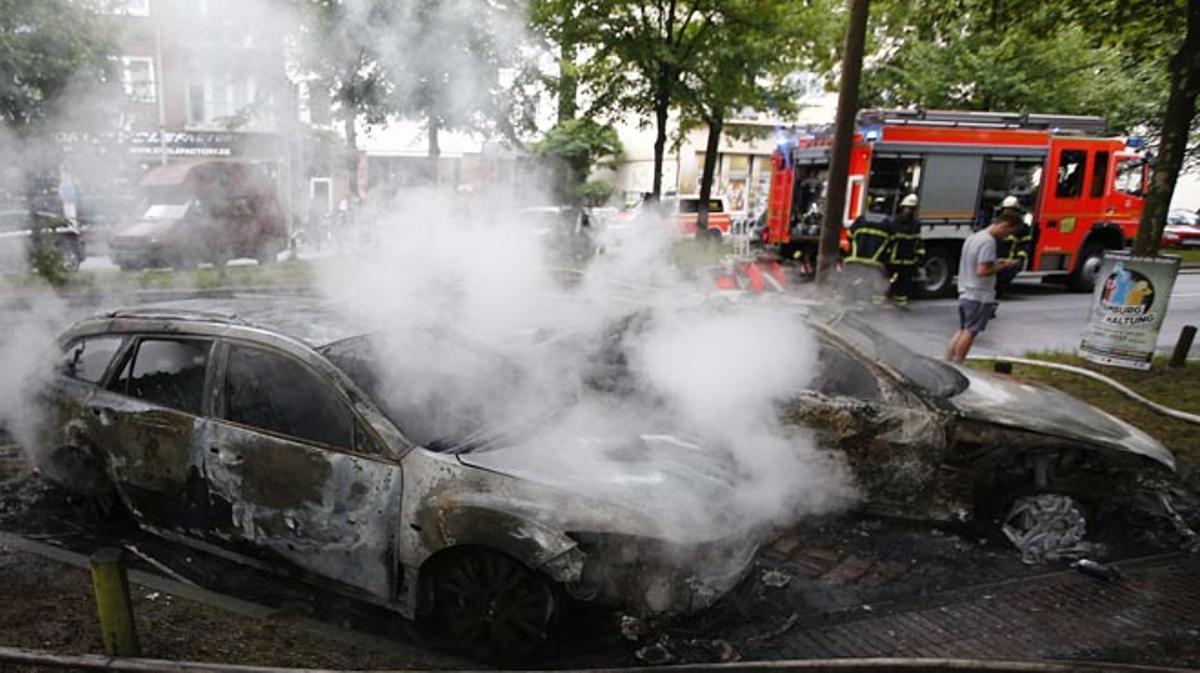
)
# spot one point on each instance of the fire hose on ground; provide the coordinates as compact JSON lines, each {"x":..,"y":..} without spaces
{"x":1119,"y":387}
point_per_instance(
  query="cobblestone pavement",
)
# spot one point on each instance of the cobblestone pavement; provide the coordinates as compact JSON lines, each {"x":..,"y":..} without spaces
{"x":1053,"y":616}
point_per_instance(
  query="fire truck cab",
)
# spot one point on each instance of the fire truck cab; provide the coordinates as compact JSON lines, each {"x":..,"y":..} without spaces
{"x":1082,"y":193}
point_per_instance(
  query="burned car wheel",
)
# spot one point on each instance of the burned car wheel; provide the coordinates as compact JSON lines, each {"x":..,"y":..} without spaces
{"x":490,"y":605}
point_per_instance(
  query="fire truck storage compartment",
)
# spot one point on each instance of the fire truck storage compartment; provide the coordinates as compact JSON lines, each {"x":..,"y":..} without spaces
{"x":892,"y":176}
{"x":951,"y":189}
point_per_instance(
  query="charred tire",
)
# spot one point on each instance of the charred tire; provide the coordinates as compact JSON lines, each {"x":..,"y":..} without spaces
{"x":1083,"y":278}
{"x":490,"y":605}
{"x":940,"y":266}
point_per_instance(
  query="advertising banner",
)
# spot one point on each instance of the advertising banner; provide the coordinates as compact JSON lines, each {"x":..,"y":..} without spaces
{"x":1128,"y":307}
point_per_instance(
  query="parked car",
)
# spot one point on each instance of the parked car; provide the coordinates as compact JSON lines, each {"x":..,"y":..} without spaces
{"x":685,"y":215}
{"x":1182,"y":230}
{"x":682,"y":216}
{"x":255,"y":425}
{"x":206,"y":211}
{"x":16,"y":239}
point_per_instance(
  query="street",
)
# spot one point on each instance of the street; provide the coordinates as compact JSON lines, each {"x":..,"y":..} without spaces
{"x":1032,"y":317}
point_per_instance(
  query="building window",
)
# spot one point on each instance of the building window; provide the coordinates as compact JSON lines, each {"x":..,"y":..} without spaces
{"x":137,"y":74}
{"x":131,"y":7}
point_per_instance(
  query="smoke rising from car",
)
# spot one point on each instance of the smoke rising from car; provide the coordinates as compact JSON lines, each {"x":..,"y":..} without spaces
{"x":487,"y":344}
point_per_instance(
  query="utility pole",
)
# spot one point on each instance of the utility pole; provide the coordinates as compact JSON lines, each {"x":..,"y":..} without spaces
{"x":843,"y":136}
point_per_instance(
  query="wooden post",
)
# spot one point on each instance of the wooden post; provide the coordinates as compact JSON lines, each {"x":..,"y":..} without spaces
{"x":112,"y":603}
{"x":1183,"y":347}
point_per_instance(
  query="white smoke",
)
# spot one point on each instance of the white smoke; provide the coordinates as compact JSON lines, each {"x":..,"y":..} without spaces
{"x":479,"y":328}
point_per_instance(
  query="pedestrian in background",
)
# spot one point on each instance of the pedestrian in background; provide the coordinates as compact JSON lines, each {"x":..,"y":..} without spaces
{"x":977,"y":269}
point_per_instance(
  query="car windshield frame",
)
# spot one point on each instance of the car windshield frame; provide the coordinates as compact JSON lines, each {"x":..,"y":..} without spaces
{"x":930,"y":375}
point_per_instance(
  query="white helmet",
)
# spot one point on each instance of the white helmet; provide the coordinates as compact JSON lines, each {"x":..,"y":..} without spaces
{"x":1010,"y":201}
{"x":909,"y":201}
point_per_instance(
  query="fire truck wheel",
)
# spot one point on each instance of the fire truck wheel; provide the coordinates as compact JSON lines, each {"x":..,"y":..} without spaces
{"x":1083,"y":279}
{"x":714,"y":235}
{"x":941,"y":261}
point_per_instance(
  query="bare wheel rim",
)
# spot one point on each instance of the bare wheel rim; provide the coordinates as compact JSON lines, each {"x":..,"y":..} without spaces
{"x":492,"y":606}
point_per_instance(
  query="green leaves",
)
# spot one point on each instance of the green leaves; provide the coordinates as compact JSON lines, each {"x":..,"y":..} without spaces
{"x":572,"y":148}
{"x":1104,"y":58}
{"x":48,"y":47}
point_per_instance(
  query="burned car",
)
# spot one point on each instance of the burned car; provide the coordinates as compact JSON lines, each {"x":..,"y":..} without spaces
{"x":250,"y":427}
{"x":936,"y":441}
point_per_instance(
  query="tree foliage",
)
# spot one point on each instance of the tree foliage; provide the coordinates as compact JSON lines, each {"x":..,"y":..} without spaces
{"x":1023,"y":56}
{"x":49,"y":48}
{"x":572,"y":149}
{"x":757,"y":47}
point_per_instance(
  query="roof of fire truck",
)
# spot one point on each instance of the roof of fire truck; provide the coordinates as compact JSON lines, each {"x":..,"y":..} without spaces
{"x":946,"y":127}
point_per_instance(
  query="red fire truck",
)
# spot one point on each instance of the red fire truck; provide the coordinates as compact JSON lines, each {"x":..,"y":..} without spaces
{"x":1083,"y":193}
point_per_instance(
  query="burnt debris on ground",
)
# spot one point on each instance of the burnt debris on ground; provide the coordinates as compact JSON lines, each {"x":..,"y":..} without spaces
{"x":808,"y":587}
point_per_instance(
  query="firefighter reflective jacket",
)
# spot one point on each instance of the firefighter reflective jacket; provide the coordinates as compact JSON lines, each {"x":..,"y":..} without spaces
{"x":870,"y":236}
{"x":1016,"y":246}
{"x":907,"y":249}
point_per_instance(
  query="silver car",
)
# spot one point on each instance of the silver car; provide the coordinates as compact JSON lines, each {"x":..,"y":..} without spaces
{"x":250,"y":427}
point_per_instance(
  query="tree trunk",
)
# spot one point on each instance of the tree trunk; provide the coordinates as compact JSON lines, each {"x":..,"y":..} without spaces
{"x":351,"y":152}
{"x":715,"y":125}
{"x":843,"y":138}
{"x":662,"y":106}
{"x":1181,"y":109}
{"x":435,"y":151}
{"x":567,"y":81}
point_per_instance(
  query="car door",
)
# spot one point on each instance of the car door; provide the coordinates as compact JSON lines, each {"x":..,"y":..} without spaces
{"x":67,"y":451}
{"x":145,"y":421}
{"x":293,"y":475}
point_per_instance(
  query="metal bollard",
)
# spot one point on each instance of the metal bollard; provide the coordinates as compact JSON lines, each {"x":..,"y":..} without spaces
{"x":1183,"y":347}
{"x":112,"y":603}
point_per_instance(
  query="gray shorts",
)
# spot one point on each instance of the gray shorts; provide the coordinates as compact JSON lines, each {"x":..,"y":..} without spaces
{"x":973,"y":315}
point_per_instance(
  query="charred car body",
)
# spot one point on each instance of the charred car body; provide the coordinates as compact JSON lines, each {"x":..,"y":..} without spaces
{"x":242,"y":428}
{"x":252,"y":427}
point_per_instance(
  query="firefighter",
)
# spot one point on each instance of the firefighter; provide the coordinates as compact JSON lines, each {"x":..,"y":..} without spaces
{"x":1015,"y":247}
{"x":870,"y":238}
{"x":906,"y":252}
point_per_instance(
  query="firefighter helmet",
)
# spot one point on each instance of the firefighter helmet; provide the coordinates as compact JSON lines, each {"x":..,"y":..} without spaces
{"x":909,"y":201}
{"x":1010,"y":201}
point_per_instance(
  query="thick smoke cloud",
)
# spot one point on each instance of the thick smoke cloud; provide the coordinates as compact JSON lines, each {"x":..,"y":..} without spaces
{"x":484,"y":334}
{"x":481,"y":334}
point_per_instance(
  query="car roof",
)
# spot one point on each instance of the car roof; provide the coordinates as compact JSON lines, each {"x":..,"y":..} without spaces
{"x":309,"y":319}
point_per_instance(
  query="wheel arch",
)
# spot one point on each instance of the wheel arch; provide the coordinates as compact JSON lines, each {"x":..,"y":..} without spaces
{"x":470,"y":528}
{"x":1108,"y":235}
{"x":476,"y":525}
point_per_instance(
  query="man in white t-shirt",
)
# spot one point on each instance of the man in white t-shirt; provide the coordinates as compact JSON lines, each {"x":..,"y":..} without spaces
{"x":977,"y":269}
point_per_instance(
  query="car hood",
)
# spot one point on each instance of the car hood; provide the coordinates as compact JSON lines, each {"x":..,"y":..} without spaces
{"x":1036,"y":408}
{"x":146,"y":228}
{"x":684,"y":489}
